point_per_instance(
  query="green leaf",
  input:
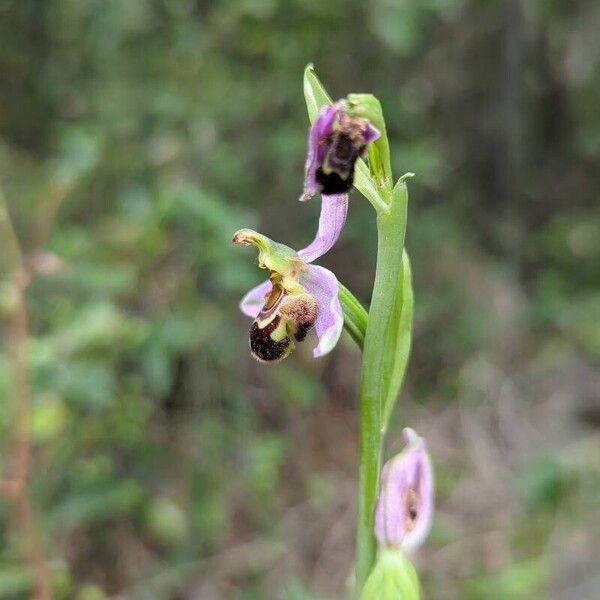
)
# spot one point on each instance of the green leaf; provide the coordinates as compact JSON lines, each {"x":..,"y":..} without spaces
{"x":399,"y":341}
{"x":316,"y":97}
{"x":355,"y":316}
{"x":98,"y":505}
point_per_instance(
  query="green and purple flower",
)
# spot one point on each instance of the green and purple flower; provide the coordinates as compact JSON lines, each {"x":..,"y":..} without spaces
{"x":298,"y":296}
{"x":336,"y":140}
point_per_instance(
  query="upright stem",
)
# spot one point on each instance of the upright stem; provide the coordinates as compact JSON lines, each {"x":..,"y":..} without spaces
{"x":390,"y":231}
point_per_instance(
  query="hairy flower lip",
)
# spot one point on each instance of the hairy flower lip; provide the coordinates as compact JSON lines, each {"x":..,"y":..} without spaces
{"x":283,"y":319}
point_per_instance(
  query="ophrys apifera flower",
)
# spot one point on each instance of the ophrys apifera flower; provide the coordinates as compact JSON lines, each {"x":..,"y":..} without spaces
{"x":336,"y":140}
{"x":298,"y":295}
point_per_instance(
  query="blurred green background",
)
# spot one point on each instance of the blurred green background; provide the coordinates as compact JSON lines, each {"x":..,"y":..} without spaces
{"x":137,"y":135}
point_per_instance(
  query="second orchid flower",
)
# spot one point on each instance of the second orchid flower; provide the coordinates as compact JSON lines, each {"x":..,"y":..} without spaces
{"x":336,"y":140}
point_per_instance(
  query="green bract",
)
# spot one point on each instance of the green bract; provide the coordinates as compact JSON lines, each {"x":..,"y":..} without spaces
{"x":393,"y":578}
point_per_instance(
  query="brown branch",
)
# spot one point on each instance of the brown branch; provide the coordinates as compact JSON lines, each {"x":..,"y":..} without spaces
{"x":15,"y":488}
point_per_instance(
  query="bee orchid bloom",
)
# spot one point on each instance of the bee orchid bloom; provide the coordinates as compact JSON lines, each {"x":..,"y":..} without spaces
{"x":335,"y":141}
{"x":298,"y":295}
{"x":405,"y":507}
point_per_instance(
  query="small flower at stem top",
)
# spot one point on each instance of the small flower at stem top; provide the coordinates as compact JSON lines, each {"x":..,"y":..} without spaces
{"x":335,"y":141}
{"x":298,"y":295}
{"x":405,"y":506}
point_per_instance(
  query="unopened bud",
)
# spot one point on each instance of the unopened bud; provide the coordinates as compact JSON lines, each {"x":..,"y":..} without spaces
{"x":405,"y":507}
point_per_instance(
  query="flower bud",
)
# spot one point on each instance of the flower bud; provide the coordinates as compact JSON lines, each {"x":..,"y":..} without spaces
{"x":393,"y":578}
{"x":405,"y":506}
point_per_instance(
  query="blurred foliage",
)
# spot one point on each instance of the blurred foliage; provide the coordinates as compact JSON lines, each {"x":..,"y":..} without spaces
{"x":137,"y":135}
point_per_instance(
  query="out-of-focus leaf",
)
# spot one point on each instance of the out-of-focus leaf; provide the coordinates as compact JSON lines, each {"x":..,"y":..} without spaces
{"x":299,"y":591}
{"x":263,"y":468}
{"x":97,"y":325}
{"x":91,"y":592}
{"x":514,"y":582}
{"x":49,"y":417}
{"x":14,"y":581}
{"x":166,"y":521}
{"x":294,"y":388}
{"x":120,"y":498}
{"x":544,"y":484}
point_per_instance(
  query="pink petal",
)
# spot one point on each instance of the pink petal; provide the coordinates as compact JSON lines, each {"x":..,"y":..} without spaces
{"x":371,"y":134}
{"x":254,"y":300}
{"x":322,"y":126}
{"x":323,"y":285}
{"x":331,"y":221}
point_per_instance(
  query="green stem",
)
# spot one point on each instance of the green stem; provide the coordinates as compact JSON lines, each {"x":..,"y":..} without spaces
{"x":391,"y":226}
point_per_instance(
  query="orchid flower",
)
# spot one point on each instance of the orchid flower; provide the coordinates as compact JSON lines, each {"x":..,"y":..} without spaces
{"x":298,"y":295}
{"x":405,"y":507}
{"x":335,"y":141}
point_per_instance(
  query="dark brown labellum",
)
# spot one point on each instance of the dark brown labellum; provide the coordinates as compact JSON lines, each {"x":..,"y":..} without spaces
{"x":263,"y":346}
{"x":282,"y":314}
{"x":344,"y":147}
